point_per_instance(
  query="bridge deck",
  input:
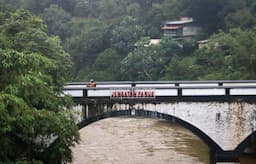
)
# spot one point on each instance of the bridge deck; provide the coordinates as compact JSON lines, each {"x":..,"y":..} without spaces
{"x":162,"y":89}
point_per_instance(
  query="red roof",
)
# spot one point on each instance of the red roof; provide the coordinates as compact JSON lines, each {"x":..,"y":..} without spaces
{"x":171,"y":27}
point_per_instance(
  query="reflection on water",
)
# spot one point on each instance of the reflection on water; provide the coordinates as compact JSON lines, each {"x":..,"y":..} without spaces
{"x":137,"y":141}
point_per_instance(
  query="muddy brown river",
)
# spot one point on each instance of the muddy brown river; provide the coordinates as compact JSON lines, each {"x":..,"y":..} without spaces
{"x":138,"y":141}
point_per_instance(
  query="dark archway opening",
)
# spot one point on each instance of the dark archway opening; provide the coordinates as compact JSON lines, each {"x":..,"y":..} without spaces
{"x":246,"y":150}
{"x":214,"y":147}
{"x":144,"y":140}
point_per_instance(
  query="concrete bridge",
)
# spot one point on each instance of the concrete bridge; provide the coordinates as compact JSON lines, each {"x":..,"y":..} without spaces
{"x":221,"y":113}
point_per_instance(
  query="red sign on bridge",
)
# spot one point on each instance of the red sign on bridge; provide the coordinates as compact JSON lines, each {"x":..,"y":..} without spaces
{"x":133,"y":94}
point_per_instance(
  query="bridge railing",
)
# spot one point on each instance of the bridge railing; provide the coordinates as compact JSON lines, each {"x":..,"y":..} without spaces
{"x":215,"y":82}
{"x":162,"y":89}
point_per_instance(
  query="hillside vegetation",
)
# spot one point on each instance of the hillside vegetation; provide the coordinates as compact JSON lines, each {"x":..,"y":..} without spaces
{"x":100,"y":36}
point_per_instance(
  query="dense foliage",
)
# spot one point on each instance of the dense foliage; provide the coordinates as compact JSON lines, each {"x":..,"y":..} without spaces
{"x":101,"y":36}
{"x":35,"y":125}
{"x":230,"y":55}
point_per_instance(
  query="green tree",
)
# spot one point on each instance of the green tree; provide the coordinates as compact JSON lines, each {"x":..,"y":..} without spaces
{"x":37,"y":7}
{"x":147,"y":61}
{"x":153,"y":21}
{"x":87,"y":8}
{"x":242,"y":18}
{"x":13,"y":4}
{"x":24,"y":32}
{"x":57,"y":21}
{"x":182,"y":69}
{"x":107,"y":66}
{"x":229,"y":56}
{"x":125,"y":35}
{"x":33,"y":68}
{"x":133,"y":9}
{"x":111,"y":9}
{"x":172,"y":9}
{"x":85,"y":47}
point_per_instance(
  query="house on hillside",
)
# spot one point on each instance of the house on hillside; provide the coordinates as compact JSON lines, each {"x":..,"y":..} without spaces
{"x":183,"y":29}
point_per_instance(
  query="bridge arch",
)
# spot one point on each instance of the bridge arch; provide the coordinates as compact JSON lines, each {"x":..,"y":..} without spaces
{"x":246,"y":143}
{"x":213,"y":146}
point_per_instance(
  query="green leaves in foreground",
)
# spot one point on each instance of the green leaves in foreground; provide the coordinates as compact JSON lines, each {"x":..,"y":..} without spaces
{"x":28,"y":134}
{"x":36,"y":126}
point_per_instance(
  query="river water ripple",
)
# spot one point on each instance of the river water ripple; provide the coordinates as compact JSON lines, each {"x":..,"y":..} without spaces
{"x":138,"y":141}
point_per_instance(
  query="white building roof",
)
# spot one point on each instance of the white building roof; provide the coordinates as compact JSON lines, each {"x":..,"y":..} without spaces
{"x":154,"y":41}
{"x":183,"y":21}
